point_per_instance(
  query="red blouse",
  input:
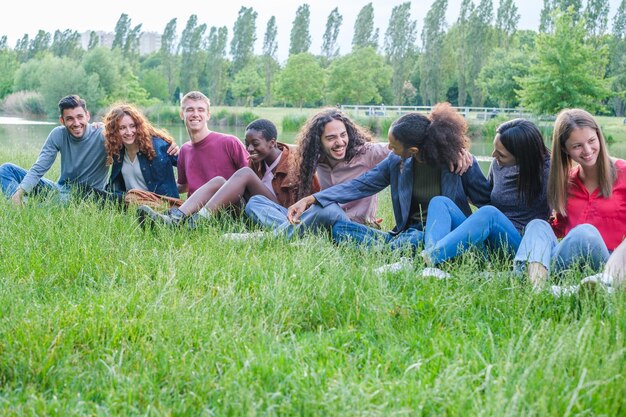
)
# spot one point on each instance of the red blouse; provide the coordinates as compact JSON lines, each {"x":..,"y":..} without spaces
{"x":608,"y":215}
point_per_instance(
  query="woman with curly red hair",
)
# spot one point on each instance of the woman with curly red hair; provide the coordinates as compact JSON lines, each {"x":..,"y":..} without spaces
{"x":142,"y":156}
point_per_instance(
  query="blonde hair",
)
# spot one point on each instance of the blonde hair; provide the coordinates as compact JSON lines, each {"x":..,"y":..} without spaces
{"x":567,"y":120}
{"x":196,"y":96}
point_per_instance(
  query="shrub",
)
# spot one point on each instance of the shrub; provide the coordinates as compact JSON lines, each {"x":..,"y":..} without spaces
{"x":385,"y":124}
{"x":27,"y":104}
{"x":369,"y":123}
{"x":490,"y":126}
{"x":163,"y":114}
{"x":293,"y":122}
{"x":247,"y":117}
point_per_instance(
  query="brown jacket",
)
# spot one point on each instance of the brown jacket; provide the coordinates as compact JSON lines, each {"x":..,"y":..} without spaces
{"x":286,"y":181}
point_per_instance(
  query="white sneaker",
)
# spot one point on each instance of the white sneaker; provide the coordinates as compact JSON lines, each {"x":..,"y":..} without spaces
{"x":404,"y":263}
{"x":240,"y":237}
{"x":435,"y":272}
{"x":563,"y":290}
{"x":601,"y":280}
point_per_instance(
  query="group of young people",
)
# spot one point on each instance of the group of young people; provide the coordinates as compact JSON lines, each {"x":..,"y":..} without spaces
{"x":330,"y":180}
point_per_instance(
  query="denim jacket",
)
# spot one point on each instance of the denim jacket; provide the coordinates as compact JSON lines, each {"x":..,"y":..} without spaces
{"x":158,"y":173}
{"x":472,"y":186}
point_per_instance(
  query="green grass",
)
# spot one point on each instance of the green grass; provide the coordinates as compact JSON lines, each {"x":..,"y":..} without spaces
{"x":98,"y":317}
{"x":275,"y":114}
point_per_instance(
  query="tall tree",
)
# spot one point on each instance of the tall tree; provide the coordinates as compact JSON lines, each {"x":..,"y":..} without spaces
{"x":359,"y":77}
{"x":244,"y":36}
{"x":596,"y":17}
{"x":364,"y":33}
{"x":270,"y":65}
{"x":94,"y":40}
{"x":545,"y":18}
{"x":131,"y":44}
{"x":400,"y":46}
{"x":247,"y":85}
{"x":301,"y":81}
{"x":21,"y":48}
{"x":168,"y":56}
{"x":576,"y":6}
{"x":498,"y":78}
{"x":39,"y":44}
{"x":190,"y":42}
{"x":432,"y":87}
{"x":480,"y":39}
{"x":619,"y":21}
{"x":617,"y":63}
{"x":461,"y":45}
{"x":217,"y":65}
{"x":300,"y":38}
{"x":122,"y":27}
{"x":8,"y":68}
{"x":3,"y":42}
{"x":507,"y":19}
{"x":330,"y":49}
{"x":107,"y":64}
{"x":561,"y":76}
{"x":66,"y":43}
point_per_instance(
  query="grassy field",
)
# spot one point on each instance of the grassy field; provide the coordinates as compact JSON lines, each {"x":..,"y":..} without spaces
{"x":275,"y":114}
{"x":99,"y":317}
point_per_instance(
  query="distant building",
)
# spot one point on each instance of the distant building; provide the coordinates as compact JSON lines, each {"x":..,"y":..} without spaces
{"x":148,"y":41}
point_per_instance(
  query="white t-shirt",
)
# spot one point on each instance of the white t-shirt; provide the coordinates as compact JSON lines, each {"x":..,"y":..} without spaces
{"x":131,"y":171}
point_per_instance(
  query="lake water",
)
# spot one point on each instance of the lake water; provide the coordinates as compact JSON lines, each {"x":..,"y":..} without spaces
{"x":29,"y":136}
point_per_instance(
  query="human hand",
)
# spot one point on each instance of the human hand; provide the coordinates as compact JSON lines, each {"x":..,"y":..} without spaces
{"x":17,"y":197}
{"x":464,"y":163}
{"x":173,"y":149}
{"x":295,"y":210}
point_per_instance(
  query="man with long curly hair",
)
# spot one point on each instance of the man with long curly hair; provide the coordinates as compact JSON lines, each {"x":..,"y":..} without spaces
{"x":337,"y":149}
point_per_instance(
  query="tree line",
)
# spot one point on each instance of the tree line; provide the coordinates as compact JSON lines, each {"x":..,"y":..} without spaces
{"x":481,"y":59}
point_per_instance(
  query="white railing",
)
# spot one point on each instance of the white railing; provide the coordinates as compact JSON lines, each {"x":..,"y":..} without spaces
{"x":480,"y":113}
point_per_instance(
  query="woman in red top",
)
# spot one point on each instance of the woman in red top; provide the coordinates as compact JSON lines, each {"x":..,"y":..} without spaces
{"x":272,"y":172}
{"x":587,"y":191}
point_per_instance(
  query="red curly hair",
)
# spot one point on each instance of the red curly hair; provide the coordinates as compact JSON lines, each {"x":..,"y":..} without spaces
{"x":143,"y":137}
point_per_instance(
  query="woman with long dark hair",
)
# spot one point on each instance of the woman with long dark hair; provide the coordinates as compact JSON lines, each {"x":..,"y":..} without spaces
{"x":518,"y":176}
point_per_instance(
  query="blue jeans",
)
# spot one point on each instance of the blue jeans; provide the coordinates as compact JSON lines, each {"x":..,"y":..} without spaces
{"x":449,"y":233}
{"x":583,"y":245}
{"x":349,"y":231}
{"x":11,"y":176}
{"x":271,"y":215}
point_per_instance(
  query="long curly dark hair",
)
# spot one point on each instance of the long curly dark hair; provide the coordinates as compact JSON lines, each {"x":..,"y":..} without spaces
{"x":439,"y":136}
{"x":310,"y":144}
{"x":145,"y":132}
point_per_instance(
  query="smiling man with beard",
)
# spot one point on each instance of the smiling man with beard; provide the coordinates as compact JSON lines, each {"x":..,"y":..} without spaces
{"x":337,"y":149}
{"x":81,"y":146}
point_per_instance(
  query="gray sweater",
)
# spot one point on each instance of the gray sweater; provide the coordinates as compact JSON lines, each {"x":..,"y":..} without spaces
{"x":505,"y":198}
{"x":82,"y":160}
